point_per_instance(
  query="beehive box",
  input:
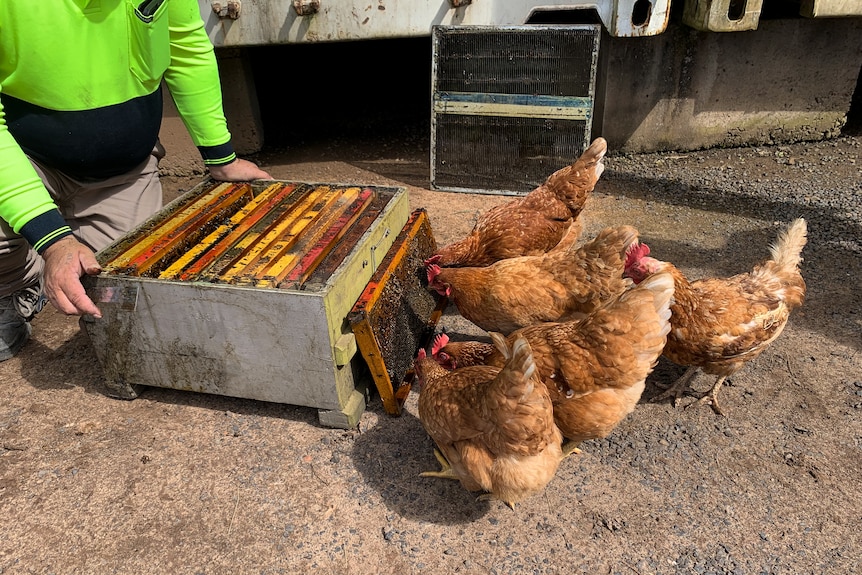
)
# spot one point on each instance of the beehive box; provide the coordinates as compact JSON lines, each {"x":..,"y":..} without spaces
{"x":243,"y":290}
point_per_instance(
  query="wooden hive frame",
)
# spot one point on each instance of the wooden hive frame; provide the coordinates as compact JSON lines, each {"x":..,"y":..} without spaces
{"x":388,"y":336}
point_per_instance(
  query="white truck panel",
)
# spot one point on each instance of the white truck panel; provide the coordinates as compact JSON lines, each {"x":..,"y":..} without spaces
{"x":262,"y":22}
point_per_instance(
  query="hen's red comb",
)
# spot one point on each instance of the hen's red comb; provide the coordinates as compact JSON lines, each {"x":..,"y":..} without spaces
{"x":433,"y":259}
{"x":433,"y":272}
{"x":439,"y":343}
{"x":635,"y":253}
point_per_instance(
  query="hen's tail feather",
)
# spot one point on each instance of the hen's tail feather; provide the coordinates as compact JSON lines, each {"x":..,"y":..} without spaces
{"x":500,"y":343}
{"x":787,"y":249}
{"x":517,"y":403}
{"x":595,"y":153}
{"x":519,"y":358}
{"x":591,"y":160}
{"x":522,"y":410}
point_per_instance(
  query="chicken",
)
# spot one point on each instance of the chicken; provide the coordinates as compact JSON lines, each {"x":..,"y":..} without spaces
{"x":565,"y":283}
{"x":494,"y":427}
{"x":719,"y":324}
{"x":595,"y":369}
{"x":459,"y":354}
{"x":533,"y":224}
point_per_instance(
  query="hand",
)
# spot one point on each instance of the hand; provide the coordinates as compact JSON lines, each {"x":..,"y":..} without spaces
{"x":66,"y":261}
{"x":238,"y":171}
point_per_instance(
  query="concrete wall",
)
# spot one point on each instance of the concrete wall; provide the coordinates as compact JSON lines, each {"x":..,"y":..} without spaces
{"x":790,"y":80}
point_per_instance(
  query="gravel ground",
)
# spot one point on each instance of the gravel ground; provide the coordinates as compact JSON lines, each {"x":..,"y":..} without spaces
{"x":177,"y":482}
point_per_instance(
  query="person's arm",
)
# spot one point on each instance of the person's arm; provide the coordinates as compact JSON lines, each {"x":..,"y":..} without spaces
{"x":25,"y":204}
{"x":193,"y":80}
{"x":27,"y":207}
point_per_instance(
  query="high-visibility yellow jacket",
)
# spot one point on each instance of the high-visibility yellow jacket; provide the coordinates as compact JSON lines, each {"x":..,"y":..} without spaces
{"x":80,"y":92}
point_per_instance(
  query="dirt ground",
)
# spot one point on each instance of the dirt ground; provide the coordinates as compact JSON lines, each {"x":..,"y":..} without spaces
{"x":184,"y":483}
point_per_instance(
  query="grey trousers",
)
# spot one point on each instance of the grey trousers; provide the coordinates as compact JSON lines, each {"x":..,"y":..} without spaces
{"x":98,"y":212}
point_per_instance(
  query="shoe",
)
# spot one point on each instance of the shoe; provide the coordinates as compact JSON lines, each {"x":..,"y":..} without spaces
{"x":29,"y":301}
{"x":16,"y":311}
{"x":14,"y":329}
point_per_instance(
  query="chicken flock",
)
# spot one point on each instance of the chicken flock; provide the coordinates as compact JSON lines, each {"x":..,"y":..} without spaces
{"x":576,"y":327}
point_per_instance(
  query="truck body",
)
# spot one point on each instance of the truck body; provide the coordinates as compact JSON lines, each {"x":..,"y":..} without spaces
{"x":671,"y":74}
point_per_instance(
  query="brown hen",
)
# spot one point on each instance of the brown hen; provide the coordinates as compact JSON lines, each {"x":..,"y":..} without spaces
{"x":493,"y":426}
{"x":533,"y":224}
{"x":595,"y":369}
{"x":719,"y":324}
{"x":459,"y":354}
{"x":565,"y":283}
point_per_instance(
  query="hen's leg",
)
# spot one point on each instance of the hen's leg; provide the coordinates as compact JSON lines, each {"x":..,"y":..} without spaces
{"x":676,"y":389}
{"x":711,"y":396}
{"x":491,"y":497}
{"x":570,"y":447}
{"x":446,"y":471}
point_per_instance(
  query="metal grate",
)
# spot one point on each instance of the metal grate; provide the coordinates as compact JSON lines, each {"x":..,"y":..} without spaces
{"x":510,"y":105}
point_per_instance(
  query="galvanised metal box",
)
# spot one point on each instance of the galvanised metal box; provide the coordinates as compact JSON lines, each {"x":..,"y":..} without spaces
{"x":243,"y":290}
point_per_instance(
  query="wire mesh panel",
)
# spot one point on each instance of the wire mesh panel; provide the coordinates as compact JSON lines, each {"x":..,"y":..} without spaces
{"x":510,"y":105}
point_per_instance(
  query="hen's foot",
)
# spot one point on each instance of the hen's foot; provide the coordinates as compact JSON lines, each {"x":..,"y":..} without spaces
{"x":677,"y":389}
{"x":490,"y":497}
{"x":711,"y":400}
{"x":446,"y":471}
{"x":711,"y":397}
{"x":571,"y":447}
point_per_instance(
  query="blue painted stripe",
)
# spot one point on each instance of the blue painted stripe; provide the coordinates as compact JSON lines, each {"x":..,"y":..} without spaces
{"x":515,"y":99}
